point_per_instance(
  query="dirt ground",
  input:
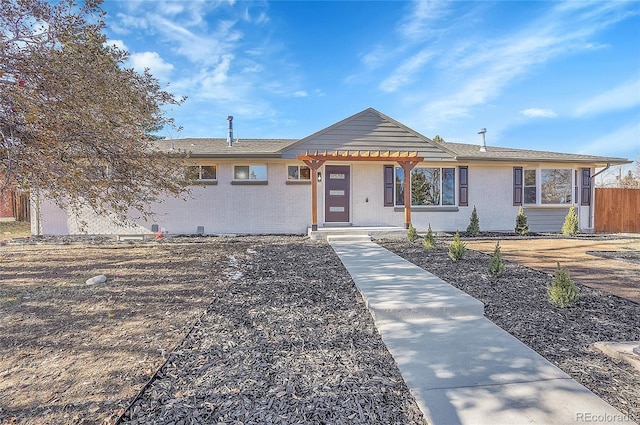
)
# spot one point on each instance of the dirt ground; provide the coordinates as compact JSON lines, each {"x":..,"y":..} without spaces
{"x":273,"y":328}
{"x":590,"y":260}
{"x":74,"y":353}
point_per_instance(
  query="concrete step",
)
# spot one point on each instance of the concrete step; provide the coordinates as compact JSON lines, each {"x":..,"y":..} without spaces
{"x":349,"y":238}
{"x":324,"y":233}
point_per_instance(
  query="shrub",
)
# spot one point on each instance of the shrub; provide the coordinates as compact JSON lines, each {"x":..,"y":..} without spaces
{"x":570,"y":226}
{"x":429,"y":240}
{"x":457,"y":248}
{"x":562,"y":291}
{"x":412,"y":234}
{"x":473,"y":229}
{"x":522,"y":227}
{"x":496,"y":265}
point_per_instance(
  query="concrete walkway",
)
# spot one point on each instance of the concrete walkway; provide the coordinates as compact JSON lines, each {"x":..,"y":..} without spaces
{"x":459,"y":366}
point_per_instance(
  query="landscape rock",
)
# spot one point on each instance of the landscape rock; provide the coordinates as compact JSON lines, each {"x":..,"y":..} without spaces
{"x":96,"y":280}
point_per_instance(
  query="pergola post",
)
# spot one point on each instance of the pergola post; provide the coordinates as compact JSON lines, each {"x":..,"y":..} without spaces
{"x":314,"y":160}
{"x":407,"y":166}
{"x":314,"y":164}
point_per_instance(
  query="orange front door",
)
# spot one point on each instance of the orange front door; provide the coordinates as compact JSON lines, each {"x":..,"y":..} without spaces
{"x":336,"y":193}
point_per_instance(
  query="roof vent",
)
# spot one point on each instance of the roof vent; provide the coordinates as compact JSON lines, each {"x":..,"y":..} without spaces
{"x":483,"y":147}
{"x":230,"y":136}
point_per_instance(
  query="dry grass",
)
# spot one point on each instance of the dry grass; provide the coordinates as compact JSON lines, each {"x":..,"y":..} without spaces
{"x":14,"y":229}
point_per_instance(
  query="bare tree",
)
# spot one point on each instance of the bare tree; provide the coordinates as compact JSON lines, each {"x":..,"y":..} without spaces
{"x":74,"y":121}
{"x":620,"y":177}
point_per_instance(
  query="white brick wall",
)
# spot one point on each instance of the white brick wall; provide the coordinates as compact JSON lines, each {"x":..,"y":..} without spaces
{"x":286,"y":208}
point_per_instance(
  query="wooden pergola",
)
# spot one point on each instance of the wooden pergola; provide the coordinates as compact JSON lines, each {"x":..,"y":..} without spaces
{"x":406,"y":160}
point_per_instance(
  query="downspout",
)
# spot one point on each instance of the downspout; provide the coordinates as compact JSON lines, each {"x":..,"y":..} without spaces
{"x":593,"y":193}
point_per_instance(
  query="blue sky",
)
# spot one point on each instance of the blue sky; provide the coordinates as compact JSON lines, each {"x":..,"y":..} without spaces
{"x":559,"y":76}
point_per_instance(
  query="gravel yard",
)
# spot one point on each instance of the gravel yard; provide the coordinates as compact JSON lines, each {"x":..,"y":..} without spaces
{"x":252,"y":330}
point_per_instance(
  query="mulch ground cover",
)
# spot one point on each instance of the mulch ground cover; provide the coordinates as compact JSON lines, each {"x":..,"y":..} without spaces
{"x":212,"y":330}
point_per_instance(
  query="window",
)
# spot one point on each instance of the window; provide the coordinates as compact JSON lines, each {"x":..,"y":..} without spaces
{"x":250,"y":172}
{"x":545,"y":186}
{"x":530,"y":188}
{"x":202,"y":172}
{"x":555,"y":186}
{"x":429,"y":186}
{"x":298,"y":172}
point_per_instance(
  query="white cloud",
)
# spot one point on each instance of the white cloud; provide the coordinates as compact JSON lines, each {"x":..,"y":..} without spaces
{"x":118,"y":43}
{"x":300,"y":93}
{"x":424,"y":13}
{"x":152,"y":60}
{"x":479,"y":70}
{"x":404,"y":73}
{"x":624,"y":141}
{"x":538,"y":113}
{"x":624,"y":96}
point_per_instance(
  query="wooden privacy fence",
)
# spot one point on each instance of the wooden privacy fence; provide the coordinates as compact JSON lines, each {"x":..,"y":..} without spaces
{"x":22,"y":206}
{"x":617,"y":210}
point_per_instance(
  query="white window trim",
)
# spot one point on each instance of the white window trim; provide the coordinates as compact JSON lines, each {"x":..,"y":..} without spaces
{"x":298,"y":180}
{"x":250,"y":181}
{"x":440,"y":206}
{"x":538,"y":171}
{"x":202,"y":181}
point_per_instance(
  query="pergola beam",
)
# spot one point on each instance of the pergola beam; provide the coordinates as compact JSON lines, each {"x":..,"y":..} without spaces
{"x":360,"y":155}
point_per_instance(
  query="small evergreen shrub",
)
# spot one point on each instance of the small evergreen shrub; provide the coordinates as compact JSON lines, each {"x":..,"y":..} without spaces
{"x":496,"y":265}
{"x":570,"y":226}
{"x":457,"y":248}
{"x":412,"y":234}
{"x":473,"y":229}
{"x":522,"y":227}
{"x":562,"y":291}
{"x":429,"y":241}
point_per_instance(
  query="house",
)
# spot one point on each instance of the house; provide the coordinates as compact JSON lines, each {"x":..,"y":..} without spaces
{"x":367,"y":170}
{"x":14,"y":205}
{"x":7,"y":207}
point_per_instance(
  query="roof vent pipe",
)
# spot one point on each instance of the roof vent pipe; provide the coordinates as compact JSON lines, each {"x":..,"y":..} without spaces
{"x":483,"y":147}
{"x":230,"y":136}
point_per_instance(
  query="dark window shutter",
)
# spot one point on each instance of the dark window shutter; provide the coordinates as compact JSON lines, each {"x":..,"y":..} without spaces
{"x":585,"y":199}
{"x":517,"y":185}
{"x":388,"y":185}
{"x":463,"y":186}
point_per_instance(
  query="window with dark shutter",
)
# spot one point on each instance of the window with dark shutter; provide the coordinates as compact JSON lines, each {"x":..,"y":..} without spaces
{"x":463,"y":186}
{"x":517,"y":185}
{"x":388,"y":185}
{"x":585,"y":199}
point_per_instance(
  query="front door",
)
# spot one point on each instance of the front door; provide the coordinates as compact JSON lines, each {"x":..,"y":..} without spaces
{"x":336,"y":193}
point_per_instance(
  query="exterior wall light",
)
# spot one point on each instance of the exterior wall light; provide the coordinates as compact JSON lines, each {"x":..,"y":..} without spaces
{"x":320,"y":176}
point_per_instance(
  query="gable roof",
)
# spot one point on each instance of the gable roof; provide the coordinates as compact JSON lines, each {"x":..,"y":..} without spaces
{"x":369,"y":131}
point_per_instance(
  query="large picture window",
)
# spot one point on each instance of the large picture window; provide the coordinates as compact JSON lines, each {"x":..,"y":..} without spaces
{"x":429,"y":186}
{"x":555,"y":186}
{"x":547,"y":186}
